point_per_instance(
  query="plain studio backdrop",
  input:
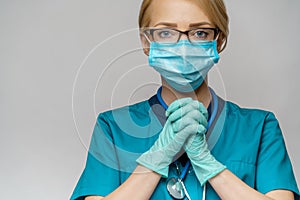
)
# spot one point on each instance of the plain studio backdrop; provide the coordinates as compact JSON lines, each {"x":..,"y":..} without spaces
{"x":62,"y":62}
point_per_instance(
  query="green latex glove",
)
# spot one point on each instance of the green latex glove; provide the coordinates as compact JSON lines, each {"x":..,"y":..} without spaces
{"x":173,"y":136}
{"x":191,"y":117}
{"x":203,"y":162}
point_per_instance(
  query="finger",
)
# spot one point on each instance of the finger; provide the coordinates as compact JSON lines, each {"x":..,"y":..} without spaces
{"x":202,"y":129}
{"x":182,"y":111}
{"x":194,"y":117}
{"x":177,"y":104}
{"x":194,"y":142}
{"x":187,"y":131}
{"x":203,"y":109}
{"x":191,"y":143}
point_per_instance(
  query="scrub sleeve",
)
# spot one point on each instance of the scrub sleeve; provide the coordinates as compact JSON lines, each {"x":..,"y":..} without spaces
{"x":97,"y":178}
{"x":274,"y":169}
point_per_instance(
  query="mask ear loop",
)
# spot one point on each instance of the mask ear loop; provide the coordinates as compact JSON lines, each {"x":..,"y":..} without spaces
{"x":224,"y":43}
{"x":146,"y":36}
{"x":216,"y":39}
{"x":218,"y":35}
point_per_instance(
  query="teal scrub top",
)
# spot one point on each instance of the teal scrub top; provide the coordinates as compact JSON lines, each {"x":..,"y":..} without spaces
{"x":248,"y":141}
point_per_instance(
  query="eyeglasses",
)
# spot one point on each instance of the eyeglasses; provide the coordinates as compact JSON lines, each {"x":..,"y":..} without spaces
{"x":170,"y":35}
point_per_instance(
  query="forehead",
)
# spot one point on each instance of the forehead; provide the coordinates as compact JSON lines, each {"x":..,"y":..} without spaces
{"x":181,"y":12}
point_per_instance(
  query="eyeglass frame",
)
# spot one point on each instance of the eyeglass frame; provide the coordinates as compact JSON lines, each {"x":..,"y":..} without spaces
{"x":151,"y":30}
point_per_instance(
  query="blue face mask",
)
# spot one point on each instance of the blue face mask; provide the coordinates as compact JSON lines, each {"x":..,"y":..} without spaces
{"x":183,"y":65}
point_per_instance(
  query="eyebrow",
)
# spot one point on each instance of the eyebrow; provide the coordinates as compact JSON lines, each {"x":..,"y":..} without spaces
{"x":175,"y":25}
{"x":166,"y":24}
{"x":199,"y":24}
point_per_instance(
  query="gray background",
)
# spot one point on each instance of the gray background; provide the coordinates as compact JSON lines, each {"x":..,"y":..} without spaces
{"x":42,"y":48}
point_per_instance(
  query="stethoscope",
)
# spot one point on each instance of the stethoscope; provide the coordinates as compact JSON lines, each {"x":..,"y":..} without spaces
{"x":175,"y":186}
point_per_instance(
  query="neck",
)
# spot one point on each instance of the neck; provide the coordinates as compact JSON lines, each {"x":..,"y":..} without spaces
{"x":201,"y":94}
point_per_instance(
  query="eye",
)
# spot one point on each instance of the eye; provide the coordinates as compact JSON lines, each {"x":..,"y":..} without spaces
{"x":164,"y":34}
{"x":205,"y":34}
{"x":200,"y":34}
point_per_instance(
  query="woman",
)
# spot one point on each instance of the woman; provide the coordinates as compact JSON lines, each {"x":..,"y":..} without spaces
{"x":213,"y":148}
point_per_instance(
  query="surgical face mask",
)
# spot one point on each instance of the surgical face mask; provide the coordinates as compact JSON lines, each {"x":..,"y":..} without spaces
{"x":183,"y":65}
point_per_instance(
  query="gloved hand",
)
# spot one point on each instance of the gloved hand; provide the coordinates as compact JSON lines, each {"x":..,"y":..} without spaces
{"x":203,"y":162}
{"x":191,"y":117}
{"x":173,"y":136}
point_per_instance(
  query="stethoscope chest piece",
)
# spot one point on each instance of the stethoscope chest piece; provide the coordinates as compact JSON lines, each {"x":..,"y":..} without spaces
{"x":175,"y":188}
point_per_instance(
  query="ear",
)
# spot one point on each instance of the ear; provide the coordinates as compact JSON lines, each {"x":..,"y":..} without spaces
{"x":145,"y":44}
{"x":221,"y":43}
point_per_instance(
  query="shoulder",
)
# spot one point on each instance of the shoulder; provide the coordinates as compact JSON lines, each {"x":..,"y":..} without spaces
{"x":235,"y":111}
{"x":131,"y":128}
{"x":251,"y":122}
{"x":134,"y":111}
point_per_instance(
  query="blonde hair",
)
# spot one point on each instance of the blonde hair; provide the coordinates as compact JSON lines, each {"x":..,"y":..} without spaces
{"x":214,"y":9}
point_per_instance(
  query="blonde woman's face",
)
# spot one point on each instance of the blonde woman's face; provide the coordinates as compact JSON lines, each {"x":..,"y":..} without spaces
{"x":180,"y":14}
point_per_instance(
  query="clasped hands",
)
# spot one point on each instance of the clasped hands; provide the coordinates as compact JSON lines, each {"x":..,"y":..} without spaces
{"x":185,"y":128}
